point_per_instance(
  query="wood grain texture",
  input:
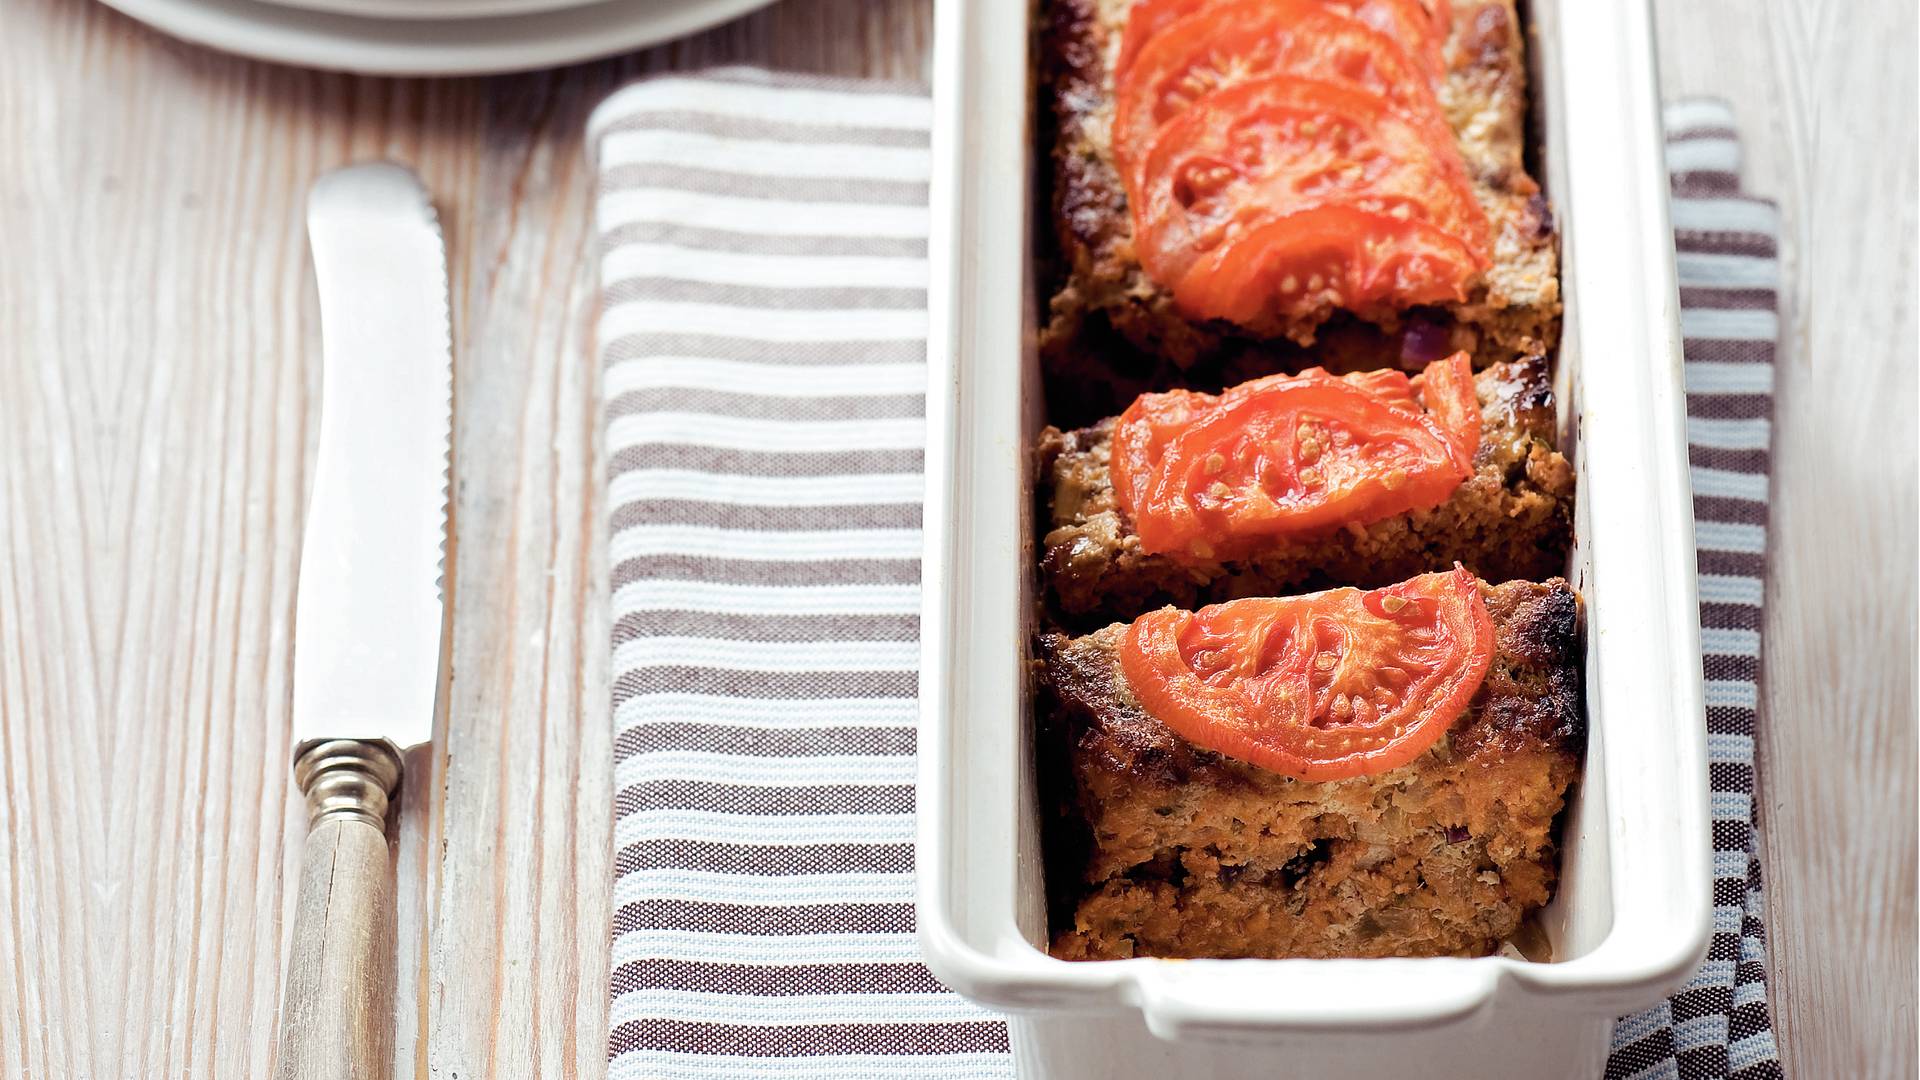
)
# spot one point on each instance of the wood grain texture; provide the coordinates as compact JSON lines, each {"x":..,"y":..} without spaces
{"x":158,"y":375}
{"x":158,"y":379}
{"x":1825,"y":92}
{"x":336,"y":1012}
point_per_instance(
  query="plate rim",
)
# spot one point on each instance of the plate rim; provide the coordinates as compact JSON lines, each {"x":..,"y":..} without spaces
{"x":530,"y":41}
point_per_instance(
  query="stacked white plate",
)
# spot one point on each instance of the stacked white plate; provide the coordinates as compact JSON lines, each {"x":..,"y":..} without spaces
{"x":431,"y":37}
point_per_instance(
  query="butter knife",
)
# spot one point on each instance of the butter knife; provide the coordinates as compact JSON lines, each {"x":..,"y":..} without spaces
{"x":370,"y":620}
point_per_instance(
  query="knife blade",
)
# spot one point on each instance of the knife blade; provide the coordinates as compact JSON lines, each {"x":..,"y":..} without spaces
{"x":370,"y":620}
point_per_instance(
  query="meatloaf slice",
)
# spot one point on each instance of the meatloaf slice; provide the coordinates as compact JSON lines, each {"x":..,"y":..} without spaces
{"x":1512,"y":311}
{"x":1510,"y":519}
{"x":1161,"y":848}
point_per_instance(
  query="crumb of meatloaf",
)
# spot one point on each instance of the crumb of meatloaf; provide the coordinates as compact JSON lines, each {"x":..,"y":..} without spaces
{"x":1161,"y":848}
{"x":1510,"y":519}
{"x":1514,"y":309}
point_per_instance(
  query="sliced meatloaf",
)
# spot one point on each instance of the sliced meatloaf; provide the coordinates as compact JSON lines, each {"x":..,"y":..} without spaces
{"x":1162,"y":848}
{"x":1510,"y":519}
{"x":1107,"y":314}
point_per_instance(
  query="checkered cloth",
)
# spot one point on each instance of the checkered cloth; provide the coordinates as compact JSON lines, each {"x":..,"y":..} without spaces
{"x":1725,"y":247}
{"x":763,"y":270}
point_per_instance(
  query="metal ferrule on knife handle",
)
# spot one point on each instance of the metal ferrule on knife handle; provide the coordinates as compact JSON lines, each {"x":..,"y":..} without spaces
{"x":336,"y":1021}
{"x":347,"y":779}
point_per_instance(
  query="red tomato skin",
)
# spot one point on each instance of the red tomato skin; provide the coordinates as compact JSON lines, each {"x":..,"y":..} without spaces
{"x":1446,"y":389}
{"x":1240,"y":678}
{"x":1303,"y":38}
{"x":1273,"y":268}
{"x":1223,"y":216}
{"x":1421,"y":33}
{"x":1296,"y":455}
{"x":1238,"y":177}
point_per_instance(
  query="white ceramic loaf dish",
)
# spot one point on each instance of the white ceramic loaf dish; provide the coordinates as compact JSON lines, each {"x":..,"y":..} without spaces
{"x":1631,"y":919}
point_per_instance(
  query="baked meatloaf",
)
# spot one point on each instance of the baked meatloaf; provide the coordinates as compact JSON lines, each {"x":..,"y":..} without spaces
{"x":1162,"y":848}
{"x":1510,"y":519}
{"x":1104,"y":297}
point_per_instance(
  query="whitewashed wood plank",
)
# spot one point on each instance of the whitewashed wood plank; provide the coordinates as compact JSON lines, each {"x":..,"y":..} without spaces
{"x":160,"y":369}
{"x":159,"y":436}
{"x":1825,"y":97}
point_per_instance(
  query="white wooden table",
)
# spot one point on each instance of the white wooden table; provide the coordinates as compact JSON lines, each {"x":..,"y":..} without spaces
{"x":158,"y":369}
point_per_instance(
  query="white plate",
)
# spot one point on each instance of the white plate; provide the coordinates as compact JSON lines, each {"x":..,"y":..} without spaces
{"x":424,"y":10}
{"x":465,"y":46}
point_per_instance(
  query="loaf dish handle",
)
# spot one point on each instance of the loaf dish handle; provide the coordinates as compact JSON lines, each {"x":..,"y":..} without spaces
{"x":1221,"y":1000}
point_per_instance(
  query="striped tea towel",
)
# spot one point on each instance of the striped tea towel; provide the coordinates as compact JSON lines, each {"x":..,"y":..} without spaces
{"x":763,"y":244}
{"x":1726,"y":248}
{"x":763,"y":329}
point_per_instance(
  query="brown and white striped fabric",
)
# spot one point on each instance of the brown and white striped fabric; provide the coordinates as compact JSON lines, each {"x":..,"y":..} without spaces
{"x":763,"y":244}
{"x":1726,"y":250}
{"x":763,"y":328}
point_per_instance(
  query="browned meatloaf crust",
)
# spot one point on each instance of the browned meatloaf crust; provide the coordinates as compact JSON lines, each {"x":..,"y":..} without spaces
{"x":1510,"y":519}
{"x":1105,"y":298}
{"x":1165,"y":849}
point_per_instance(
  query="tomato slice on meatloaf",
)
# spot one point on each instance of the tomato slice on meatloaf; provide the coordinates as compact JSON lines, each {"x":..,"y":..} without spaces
{"x":1104,"y":297}
{"x":1509,"y":519}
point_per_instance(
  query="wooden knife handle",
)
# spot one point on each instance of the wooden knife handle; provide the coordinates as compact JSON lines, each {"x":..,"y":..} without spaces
{"x":333,"y":1025}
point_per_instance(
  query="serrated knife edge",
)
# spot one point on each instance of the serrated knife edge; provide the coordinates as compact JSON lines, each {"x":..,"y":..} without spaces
{"x":370,"y":617}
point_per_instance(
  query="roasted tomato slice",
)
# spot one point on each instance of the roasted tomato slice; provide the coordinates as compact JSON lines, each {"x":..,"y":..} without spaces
{"x":1420,"y":28}
{"x":1145,"y":20}
{"x":1307,"y":263}
{"x":1242,"y":40}
{"x":1210,"y":477}
{"x":1322,"y":687}
{"x":1278,"y":146}
{"x":1446,"y":389}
